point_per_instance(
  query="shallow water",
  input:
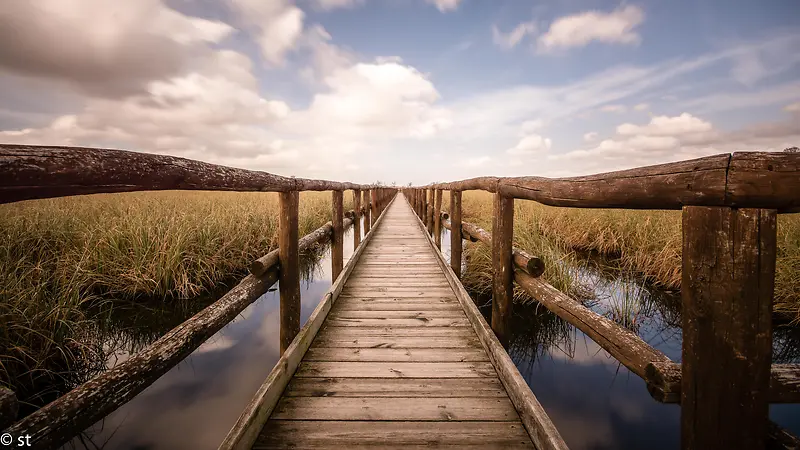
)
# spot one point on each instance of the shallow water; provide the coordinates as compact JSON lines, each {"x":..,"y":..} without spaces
{"x":593,"y":401}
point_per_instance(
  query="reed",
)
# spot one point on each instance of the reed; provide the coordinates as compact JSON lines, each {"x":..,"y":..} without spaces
{"x":64,"y":263}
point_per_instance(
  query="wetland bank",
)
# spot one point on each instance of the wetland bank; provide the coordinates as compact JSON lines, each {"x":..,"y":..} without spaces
{"x":142,"y":266}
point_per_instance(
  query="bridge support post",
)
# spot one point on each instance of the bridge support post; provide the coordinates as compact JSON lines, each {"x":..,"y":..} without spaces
{"x":365,"y":201}
{"x":374,"y":205}
{"x":429,"y":215}
{"x":726,"y":288}
{"x":337,"y":247}
{"x":455,"y":232}
{"x":437,"y":219}
{"x":503,"y":265}
{"x":357,"y":218}
{"x":288,"y":255}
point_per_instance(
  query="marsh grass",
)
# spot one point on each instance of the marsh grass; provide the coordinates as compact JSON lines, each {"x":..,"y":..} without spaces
{"x":645,"y":243}
{"x":64,"y":263}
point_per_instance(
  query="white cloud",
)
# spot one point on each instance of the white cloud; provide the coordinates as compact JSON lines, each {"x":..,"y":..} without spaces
{"x":477,"y":161}
{"x":101,"y":47}
{"x":793,"y":107}
{"x":616,"y":27}
{"x":614,"y":108}
{"x":667,"y":126}
{"x":276,"y":24}
{"x":641,"y":107}
{"x":445,"y":5}
{"x":590,"y":136}
{"x":326,"y":58}
{"x":530,"y":145}
{"x":530,"y":126}
{"x":512,"y":38}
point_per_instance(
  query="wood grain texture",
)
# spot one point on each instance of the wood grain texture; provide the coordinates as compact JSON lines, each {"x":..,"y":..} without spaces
{"x":502,"y":267}
{"x":285,"y":434}
{"x":357,"y":218}
{"x":9,"y":407}
{"x":727,"y":284}
{"x":395,"y":387}
{"x":455,"y":238}
{"x":289,"y":256}
{"x":437,"y":217}
{"x":337,"y":244}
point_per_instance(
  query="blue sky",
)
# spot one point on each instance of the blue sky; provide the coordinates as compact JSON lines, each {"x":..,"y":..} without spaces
{"x":404,"y":90}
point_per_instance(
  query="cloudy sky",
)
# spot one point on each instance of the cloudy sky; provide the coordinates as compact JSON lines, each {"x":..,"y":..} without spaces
{"x":404,"y":90}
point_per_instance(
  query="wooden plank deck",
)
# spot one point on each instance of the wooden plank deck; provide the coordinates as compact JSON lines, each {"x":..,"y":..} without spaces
{"x":396,"y":363}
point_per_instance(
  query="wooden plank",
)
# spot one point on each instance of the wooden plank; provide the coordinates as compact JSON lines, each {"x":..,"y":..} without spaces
{"x":367,"y":211}
{"x":726,"y":288}
{"x":366,"y":408}
{"x":348,"y":305}
{"x":374,"y":205}
{"x":392,"y":314}
{"x":318,"y":353}
{"x":244,"y":432}
{"x":353,"y":332}
{"x":437,"y":219}
{"x":334,"y":340}
{"x":399,"y":323}
{"x":395,"y":387}
{"x":9,"y":407}
{"x":290,"y":434}
{"x":395,"y":370}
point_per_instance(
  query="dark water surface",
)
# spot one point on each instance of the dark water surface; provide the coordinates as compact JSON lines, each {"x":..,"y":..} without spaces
{"x":594,"y":401}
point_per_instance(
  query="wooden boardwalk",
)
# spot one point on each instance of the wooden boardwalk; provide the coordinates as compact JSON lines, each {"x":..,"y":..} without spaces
{"x":396,"y":362}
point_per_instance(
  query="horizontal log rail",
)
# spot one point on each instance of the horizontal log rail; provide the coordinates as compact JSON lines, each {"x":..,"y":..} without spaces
{"x":36,"y":172}
{"x":740,"y":180}
{"x":57,"y":422}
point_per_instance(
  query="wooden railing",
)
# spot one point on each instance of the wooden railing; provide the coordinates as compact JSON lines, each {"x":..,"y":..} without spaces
{"x":30,"y":172}
{"x":729,"y":204}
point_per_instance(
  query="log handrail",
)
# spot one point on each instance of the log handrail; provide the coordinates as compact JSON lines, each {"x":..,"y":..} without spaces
{"x":742,"y":179}
{"x":36,"y":172}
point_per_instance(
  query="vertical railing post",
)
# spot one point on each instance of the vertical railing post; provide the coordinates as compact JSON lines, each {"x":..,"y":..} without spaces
{"x":374,"y":201}
{"x":424,"y":209}
{"x":367,"y":223}
{"x":455,"y":232}
{"x":437,"y":219}
{"x":356,"y":218}
{"x":727,"y":282}
{"x":289,"y":277}
{"x":429,"y":215}
{"x":503,"y":268}
{"x":337,"y":247}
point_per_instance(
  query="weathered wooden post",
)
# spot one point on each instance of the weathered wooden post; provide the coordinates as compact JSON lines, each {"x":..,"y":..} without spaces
{"x":437,"y":219}
{"x":429,"y":212}
{"x":424,"y":206}
{"x":374,"y":202}
{"x":366,"y":211}
{"x":288,"y":255}
{"x":727,"y":284}
{"x":455,"y":232}
{"x":356,"y":218}
{"x":337,"y":247}
{"x":503,"y":265}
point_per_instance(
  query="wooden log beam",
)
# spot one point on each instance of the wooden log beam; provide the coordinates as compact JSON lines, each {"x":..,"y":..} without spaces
{"x":9,"y":407}
{"x":34,"y":172}
{"x":727,"y":284}
{"x":337,"y":249}
{"x":741,"y":180}
{"x":289,"y":257}
{"x":502,"y":268}
{"x":429,"y":211}
{"x":533,"y":265}
{"x":455,"y":237}
{"x":357,"y":218}
{"x":664,"y":382}
{"x":437,"y":224}
{"x":780,"y":439}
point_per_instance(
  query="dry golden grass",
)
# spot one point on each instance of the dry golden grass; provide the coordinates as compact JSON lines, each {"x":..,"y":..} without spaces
{"x":59,"y":256}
